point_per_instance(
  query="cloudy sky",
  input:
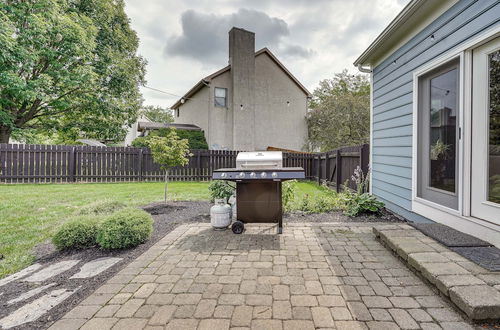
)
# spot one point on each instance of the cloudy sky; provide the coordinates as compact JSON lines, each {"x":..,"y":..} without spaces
{"x":185,"y":40}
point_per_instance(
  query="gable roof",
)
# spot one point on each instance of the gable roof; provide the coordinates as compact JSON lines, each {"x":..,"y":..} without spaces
{"x":414,"y":17}
{"x":206,"y":80}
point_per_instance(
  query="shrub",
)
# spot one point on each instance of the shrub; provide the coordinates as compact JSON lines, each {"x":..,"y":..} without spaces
{"x":80,"y":233}
{"x":288,"y":191}
{"x":125,"y":228}
{"x":101,"y":207}
{"x":319,"y":204}
{"x":196,"y":139}
{"x":220,"y":189}
{"x":355,"y":204}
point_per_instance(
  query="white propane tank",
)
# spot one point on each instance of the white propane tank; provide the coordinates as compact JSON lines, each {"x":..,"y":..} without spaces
{"x":220,"y":215}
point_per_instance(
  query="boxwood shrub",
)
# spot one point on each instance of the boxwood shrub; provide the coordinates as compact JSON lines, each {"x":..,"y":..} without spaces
{"x":79,"y":233}
{"x":125,"y":228}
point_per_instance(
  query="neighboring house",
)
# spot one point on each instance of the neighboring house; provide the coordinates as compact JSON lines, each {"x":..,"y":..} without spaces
{"x":251,"y":104}
{"x":435,"y":135}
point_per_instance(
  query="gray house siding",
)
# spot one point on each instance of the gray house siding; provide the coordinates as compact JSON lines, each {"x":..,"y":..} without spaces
{"x":393,"y":96}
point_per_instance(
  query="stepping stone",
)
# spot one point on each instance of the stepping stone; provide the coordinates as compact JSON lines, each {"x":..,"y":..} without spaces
{"x":52,"y":271}
{"x":26,"y":271}
{"x":449,"y":236}
{"x":95,"y":267}
{"x":30,"y":293}
{"x":32,"y":311}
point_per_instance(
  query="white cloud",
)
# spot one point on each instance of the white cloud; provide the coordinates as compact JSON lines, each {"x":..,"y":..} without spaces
{"x":186,"y":40}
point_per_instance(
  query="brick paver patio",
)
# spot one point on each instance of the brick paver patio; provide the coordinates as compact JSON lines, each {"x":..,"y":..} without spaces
{"x":313,"y":276}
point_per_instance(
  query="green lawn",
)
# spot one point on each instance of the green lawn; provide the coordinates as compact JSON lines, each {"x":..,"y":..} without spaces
{"x":31,"y":214}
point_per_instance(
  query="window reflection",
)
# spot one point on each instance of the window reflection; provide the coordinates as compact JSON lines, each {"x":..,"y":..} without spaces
{"x":494,"y":129}
{"x":443,"y":121}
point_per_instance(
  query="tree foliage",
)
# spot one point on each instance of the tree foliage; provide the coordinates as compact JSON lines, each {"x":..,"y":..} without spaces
{"x":157,"y":114}
{"x":68,"y":66}
{"x":340,"y":112}
{"x":169,"y":151}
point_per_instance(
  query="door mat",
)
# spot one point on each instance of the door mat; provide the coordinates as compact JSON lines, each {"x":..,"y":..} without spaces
{"x":449,"y":236}
{"x":486,"y":257}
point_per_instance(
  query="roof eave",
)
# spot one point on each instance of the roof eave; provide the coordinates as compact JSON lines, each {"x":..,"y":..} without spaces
{"x":397,"y":22}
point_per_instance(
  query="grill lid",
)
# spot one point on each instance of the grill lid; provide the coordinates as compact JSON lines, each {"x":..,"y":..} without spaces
{"x":259,"y":160}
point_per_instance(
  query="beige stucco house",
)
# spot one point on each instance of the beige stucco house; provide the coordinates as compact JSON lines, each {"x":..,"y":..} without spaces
{"x":251,"y":104}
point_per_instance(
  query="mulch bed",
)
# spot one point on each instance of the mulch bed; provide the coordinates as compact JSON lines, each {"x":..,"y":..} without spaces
{"x":167,"y":217}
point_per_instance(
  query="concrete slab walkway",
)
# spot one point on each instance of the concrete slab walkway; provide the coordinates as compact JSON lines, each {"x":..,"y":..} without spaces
{"x":334,"y":276}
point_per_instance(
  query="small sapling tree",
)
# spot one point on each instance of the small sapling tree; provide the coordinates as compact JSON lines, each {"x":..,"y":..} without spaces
{"x":169,"y":151}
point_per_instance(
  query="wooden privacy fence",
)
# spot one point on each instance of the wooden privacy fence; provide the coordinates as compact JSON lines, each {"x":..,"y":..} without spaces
{"x":59,"y":164}
{"x":337,"y":166}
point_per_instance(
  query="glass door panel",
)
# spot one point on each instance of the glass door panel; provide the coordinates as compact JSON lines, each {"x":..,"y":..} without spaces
{"x":437,"y":159}
{"x":485,"y":175}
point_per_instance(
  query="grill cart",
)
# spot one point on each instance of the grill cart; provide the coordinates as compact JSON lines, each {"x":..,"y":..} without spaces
{"x":258,"y":176}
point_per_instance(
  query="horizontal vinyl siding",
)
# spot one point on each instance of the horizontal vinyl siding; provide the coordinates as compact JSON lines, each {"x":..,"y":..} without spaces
{"x":393,"y":96}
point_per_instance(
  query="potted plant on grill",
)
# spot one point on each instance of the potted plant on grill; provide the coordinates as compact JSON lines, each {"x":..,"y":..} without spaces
{"x":220,"y":213}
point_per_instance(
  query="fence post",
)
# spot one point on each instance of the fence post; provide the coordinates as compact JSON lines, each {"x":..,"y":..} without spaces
{"x":364,"y":157}
{"x":198,"y":165}
{"x":318,"y":168}
{"x":327,"y":166}
{"x":72,"y":165}
{"x":139,"y":167}
{"x":338,"y":159}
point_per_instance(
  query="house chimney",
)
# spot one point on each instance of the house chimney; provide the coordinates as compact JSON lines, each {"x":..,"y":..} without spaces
{"x":242,"y":61}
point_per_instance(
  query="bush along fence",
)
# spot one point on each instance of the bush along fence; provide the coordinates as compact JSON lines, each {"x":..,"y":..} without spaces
{"x":66,"y":164}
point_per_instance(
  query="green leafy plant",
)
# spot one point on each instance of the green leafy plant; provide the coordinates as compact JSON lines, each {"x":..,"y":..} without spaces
{"x":439,"y":150}
{"x":220,"y":189}
{"x":79,"y":233}
{"x":355,"y":204}
{"x":359,"y":201}
{"x":125,"y":228}
{"x":288,"y":191}
{"x":101,"y":207}
{"x":169,"y":151}
{"x":319,"y":204}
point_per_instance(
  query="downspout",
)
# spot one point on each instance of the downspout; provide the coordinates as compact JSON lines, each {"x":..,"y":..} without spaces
{"x":370,"y":71}
{"x":207,"y":84}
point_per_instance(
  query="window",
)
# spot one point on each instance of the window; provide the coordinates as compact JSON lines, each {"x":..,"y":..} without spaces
{"x":438,"y":136}
{"x":220,"y":97}
{"x":177,"y":112}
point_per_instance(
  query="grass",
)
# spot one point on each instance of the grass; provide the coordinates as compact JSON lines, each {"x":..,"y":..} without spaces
{"x":30,"y":214}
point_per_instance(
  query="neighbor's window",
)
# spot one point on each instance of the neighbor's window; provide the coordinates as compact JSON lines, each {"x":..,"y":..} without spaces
{"x":438,"y":135}
{"x":220,"y":97}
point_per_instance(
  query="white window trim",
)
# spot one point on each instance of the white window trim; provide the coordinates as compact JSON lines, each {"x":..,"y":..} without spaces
{"x":459,"y":219}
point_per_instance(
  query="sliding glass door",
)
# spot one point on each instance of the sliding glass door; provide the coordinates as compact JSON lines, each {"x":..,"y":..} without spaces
{"x":438,"y":135}
{"x":485,"y":174}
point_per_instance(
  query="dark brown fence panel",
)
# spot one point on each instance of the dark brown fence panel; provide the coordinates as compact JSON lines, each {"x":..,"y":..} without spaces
{"x":54,"y":163}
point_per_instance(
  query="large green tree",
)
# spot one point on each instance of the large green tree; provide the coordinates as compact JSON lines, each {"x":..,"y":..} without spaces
{"x":339,"y":112}
{"x":68,"y":66}
{"x":157,"y":114}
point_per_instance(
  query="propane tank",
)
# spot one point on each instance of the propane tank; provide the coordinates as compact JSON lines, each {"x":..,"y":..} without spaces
{"x":220,"y":215}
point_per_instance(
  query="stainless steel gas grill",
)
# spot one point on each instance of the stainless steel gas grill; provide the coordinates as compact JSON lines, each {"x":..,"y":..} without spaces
{"x":258,"y":176}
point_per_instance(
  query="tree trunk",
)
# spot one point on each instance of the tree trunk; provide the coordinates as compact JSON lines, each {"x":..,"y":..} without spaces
{"x":5,"y":134}
{"x":166,"y":183}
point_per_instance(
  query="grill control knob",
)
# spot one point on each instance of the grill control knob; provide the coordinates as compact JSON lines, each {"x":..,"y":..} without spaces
{"x":242,"y":175}
{"x":263,"y":174}
{"x":223,"y":175}
{"x":252,"y":175}
{"x":274,"y":175}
